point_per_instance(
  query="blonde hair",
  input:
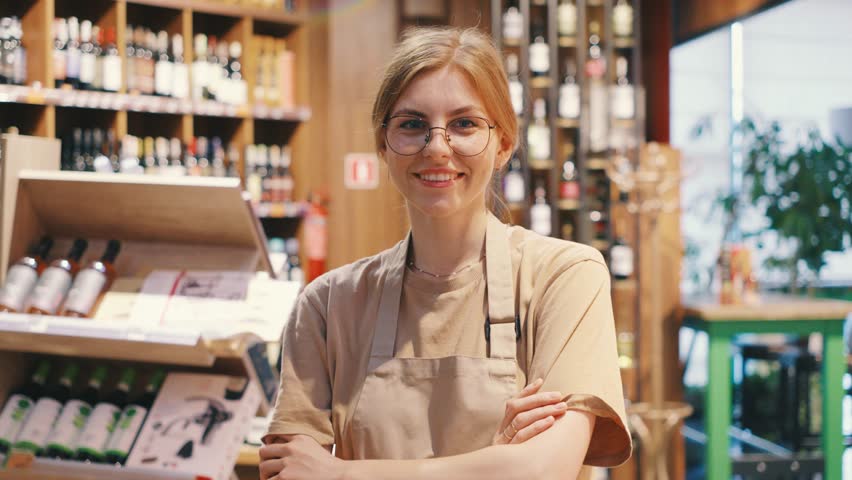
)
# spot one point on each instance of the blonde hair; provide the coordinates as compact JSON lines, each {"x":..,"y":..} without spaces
{"x":473,"y":53}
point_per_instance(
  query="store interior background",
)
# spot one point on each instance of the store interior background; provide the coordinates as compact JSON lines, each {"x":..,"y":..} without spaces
{"x":706,"y":65}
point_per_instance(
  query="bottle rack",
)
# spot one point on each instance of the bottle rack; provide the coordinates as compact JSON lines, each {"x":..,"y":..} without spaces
{"x":574,"y":134}
{"x":41,"y":110}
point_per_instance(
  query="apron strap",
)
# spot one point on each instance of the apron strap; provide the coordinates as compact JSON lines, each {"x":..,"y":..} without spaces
{"x":391,"y":295}
{"x":502,"y":324}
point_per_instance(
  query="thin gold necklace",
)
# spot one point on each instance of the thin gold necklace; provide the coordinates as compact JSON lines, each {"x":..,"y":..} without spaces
{"x":414,"y":267}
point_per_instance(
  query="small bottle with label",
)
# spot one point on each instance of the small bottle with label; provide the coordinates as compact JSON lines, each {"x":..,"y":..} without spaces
{"x":35,"y":433}
{"x":621,"y":259}
{"x":513,"y":24}
{"x":18,"y":407}
{"x":569,"y":185}
{"x":54,"y":283}
{"x":516,"y":89}
{"x":93,"y":439}
{"x":63,"y":436}
{"x":569,"y":93}
{"x":23,"y":276}
{"x":294,"y":264}
{"x":130,"y":422}
{"x":540,"y":213}
{"x":566,"y":18}
{"x":622,"y":19}
{"x":514,"y":187}
{"x":91,"y":283}
{"x":538,"y":133}
{"x":539,"y":54}
{"x":623,"y":106}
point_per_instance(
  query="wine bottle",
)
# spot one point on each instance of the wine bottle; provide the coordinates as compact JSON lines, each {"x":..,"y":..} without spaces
{"x":35,"y":433}
{"x":514,"y":188}
{"x":540,"y":213}
{"x":516,"y":89}
{"x":91,"y":283}
{"x":621,"y":259}
{"x":54,"y":283}
{"x":569,"y":93}
{"x":538,"y":133}
{"x":75,"y":413}
{"x":93,"y":439}
{"x":566,"y":18}
{"x":23,"y":276}
{"x":18,"y":407}
{"x":131,"y":420}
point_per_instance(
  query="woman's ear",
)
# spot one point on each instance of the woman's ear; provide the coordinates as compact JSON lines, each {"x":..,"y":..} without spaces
{"x":504,"y":151}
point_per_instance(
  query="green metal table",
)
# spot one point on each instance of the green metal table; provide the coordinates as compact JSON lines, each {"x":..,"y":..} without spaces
{"x":772,"y":314}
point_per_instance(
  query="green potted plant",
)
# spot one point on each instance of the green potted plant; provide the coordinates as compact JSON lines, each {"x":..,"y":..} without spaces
{"x":804,"y":192}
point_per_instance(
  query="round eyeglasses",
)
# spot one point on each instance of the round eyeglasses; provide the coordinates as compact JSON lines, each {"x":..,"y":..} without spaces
{"x":409,"y":134}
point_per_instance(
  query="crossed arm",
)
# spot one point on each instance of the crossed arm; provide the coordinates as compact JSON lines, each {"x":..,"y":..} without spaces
{"x":555,"y":454}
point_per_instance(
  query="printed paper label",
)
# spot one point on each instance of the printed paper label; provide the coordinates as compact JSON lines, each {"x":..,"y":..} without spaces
{"x":14,"y":415}
{"x":20,"y":281}
{"x":69,"y":424}
{"x":51,"y":289}
{"x":126,"y":429}
{"x":85,"y":291}
{"x":40,"y":422}
{"x":98,"y":428}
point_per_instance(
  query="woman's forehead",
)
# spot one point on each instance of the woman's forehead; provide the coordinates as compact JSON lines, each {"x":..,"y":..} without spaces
{"x":443,"y":91}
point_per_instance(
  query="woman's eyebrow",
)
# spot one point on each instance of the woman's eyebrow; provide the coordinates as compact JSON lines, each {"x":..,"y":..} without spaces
{"x":417,"y":113}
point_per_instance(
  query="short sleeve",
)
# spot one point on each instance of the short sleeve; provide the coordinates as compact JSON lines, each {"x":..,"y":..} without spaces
{"x":304,"y":396}
{"x":575,"y":353}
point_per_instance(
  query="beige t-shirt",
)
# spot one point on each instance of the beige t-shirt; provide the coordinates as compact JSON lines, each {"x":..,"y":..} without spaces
{"x":568,"y":336}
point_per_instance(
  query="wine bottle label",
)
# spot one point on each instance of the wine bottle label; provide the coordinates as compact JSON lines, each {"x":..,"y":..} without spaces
{"x":180,"y":80}
{"x":13,"y":417}
{"x":540,"y":219}
{"x":51,"y":289}
{"x":622,"y":102}
{"x":20,"y":281}
{"x":538,"y":139}
{"x":513,"y":25}
{"x":569,"y":190}
{"x":38,"y":425}
{"x":567,"y":19}
{"x":622,"y":20}
{"x":163,"y":76}
{"x":68,"y":426}
{"x":98,"y":429}
{"x":516,"y":92}
{"x":514,"y":187}
{"x":112,"y":73}
{"x":597,"y":117}
{"x":87,"y":68}
{"x":569,"y":100}
{"x":85,"y":291}
{"x":59,"y":58}
{"x":72,"y":67}
{"x":539,"y":58}
{"x":621,"y":257}
{"x":126,"y":430}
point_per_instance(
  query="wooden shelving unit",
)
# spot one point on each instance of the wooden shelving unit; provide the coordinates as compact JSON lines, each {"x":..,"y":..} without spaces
{"x":41,"y":110}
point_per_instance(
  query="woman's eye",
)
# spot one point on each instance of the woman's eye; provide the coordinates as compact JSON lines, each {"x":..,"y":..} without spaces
{"x":413,"y":124}
{"x":463,"y":123}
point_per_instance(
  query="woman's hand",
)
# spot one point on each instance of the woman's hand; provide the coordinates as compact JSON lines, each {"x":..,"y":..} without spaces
{"x":302,"y":458}
{"x":528,"y":414}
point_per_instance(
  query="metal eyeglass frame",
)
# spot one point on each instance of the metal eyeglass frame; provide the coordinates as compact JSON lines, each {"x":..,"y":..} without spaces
{"x":429,"y":135}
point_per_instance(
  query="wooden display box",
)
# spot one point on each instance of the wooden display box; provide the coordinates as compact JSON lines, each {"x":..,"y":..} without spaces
{"x":163,"y":223}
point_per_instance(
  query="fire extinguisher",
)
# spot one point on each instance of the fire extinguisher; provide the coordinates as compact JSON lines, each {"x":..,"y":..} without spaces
{"x":316,"y":237}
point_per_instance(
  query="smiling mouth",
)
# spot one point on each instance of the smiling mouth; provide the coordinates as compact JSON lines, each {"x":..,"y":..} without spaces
{"x":438,"y":177}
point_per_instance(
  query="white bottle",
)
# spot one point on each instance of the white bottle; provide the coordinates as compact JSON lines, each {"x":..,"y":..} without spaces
{"x":539,"y":57}
{"x":513,"y":25}
{"x":623,"y":106}
{"x":163,"y":68}
{"x":538,"y":133}
{"x":622,"y":19}
{"x":621,"y":260}
{"x":514,"y":188}
{"x":540,"y":213}
{"x":87,"y":56}
{"x":566,"y":18}
{"x":180,"y":70}
{"x":516,"y":89}
{"x":569,"y":94}
{"x":200,"y":69}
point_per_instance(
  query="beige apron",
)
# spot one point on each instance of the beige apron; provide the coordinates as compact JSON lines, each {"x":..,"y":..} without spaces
{"x":411,"y":408}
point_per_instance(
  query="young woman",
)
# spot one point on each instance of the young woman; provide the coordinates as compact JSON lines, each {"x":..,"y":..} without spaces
{"x":413,"y":362}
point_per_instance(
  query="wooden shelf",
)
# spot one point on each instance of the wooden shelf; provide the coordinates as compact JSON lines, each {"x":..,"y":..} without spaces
{"x":623,"y":43}
{"x":601,"y":245}
{"x":569,"y":205}
{"x":568,"y":42}
{"x":46,"y":469}
{"x":511,"y":42}
{"x":280,"y":210}
{"x":228,"y":10}
{"x":541,"y":82}
{"x":147,"y":104}
{"x":568,"y":123}
{"x":541,"y":164}
{"x":596,"y":163}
